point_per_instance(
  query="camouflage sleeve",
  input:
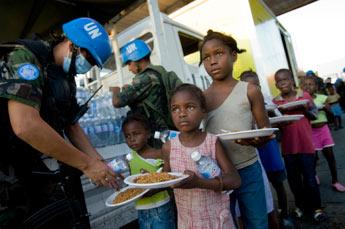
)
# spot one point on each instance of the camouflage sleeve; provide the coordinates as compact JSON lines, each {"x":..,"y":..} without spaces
{"x":21,"y":78}
{"x":140,"y":88}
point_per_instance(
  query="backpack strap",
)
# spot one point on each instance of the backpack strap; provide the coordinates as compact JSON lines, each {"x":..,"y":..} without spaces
{"x":161,"y":71}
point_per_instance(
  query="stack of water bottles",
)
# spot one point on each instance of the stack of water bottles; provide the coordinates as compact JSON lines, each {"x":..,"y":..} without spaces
{"x":102,"y":122}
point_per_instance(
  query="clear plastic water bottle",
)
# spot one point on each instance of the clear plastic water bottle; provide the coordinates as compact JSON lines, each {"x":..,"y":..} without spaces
{"x":120,"y":164}
{"x":207,"y":166}
{"x":166,"y":135}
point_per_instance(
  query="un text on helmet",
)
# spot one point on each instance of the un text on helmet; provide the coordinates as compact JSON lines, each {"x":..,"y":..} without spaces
{"x":92,"y":30}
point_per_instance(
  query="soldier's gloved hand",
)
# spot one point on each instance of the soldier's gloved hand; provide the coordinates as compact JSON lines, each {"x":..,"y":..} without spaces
{"x":100,"y":174}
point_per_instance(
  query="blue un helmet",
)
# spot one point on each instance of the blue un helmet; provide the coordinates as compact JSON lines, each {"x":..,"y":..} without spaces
{"x":310,"y":73}
{"x":89,"y":34}
{"x":134,"y":50}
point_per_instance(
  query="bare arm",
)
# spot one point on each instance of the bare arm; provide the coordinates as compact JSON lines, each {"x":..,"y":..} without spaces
{"x":258,"y":106}
{"x":79,"y":139}
{"x":28,"y":125}
{"x":260,"y":116}
{"x":231,"y":178}
{"x":115,"y":97}
{"x":166,"y":156}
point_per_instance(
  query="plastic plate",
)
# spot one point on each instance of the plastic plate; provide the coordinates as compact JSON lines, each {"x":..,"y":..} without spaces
{"x":130,"y":181}
{"x":294,"y":104}
{"x":285,"y":118}
{"x":109,"y":201}
{"x":247,"y":134}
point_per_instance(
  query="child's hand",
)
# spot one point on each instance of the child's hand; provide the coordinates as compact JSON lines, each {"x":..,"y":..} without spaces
{"x":256,"y":142}
{"x":144,"y":171}
{"x":115,"y":90}
{"x":303,"y":107}
{"x":188,"y":183}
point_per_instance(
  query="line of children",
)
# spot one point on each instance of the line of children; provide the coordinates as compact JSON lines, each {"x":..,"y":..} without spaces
{"x":272,"y":162}
{"x":298,"y":149}
{"x":200,"y":202}
{"x":322,"y":137}
{"x":232,"y":105}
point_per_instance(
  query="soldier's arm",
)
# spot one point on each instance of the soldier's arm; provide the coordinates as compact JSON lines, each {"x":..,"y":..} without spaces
{"x":79,"y":139}
{"x":116,"y":98}
{"x":139,"y":89}
{"x":28,"y":125}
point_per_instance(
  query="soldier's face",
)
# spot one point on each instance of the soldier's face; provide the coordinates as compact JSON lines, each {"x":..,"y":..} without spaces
{"x":136,"y":135}
{"x":186,"y":111}
{"x":133,"y":67}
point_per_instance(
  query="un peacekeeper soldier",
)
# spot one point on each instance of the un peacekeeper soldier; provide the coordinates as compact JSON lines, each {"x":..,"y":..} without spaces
{"x":37,"y":108}
{"x":146,"y":95}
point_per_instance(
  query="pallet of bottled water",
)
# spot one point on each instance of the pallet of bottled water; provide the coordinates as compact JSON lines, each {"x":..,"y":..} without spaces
{"x":102,"y":123}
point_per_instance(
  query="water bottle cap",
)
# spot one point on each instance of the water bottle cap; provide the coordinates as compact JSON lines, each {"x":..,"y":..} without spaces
{"x":195,"y":156}
{"x":157,"y":135}
{"x":129,"y":156}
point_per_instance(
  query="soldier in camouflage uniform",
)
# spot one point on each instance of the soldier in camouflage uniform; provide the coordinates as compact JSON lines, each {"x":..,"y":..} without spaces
{"x":147,"y":94}
{"x":37,"y":108}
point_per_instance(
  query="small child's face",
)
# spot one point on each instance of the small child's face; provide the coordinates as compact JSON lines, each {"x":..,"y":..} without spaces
{"x":284,"y":82}
{"x":136,"y":135}
{"x":186,"y":111}
{"x":330,"y":90}
{"x":217,"y":59}
{"x":310,"y":86}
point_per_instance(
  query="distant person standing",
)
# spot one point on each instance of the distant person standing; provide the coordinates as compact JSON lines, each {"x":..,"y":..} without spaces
{"x":333,"y":100}
{"x":147,"y":93}
{"x":340,"y":87}
{"x":322,"y":137}
{"x":320,"y":84}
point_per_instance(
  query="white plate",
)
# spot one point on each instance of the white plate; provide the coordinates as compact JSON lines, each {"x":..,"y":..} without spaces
{"x":285,"y":118}
{"x":247,"y":134}
{"x":294,"y":104}
{"x":130,"y":181}
{"x":270,"y":107}
{"x":109,"y":201}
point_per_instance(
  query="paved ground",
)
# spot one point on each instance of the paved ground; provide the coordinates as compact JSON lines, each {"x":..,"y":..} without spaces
{"x":332,"y":201}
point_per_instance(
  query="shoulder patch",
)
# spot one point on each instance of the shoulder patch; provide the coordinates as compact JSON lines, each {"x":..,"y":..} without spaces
{"x":28,"y":71}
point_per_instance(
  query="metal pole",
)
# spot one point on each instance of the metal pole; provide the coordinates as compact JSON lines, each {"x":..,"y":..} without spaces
{"x":157,"y":27}
{"x":117,"y":54}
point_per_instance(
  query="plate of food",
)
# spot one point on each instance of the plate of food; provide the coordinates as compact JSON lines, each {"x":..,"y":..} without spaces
{"x":285,"y":118}
{"x":155,"y":180}
{"x":294,"y":104}
{"x":125,"y":196}
{"x":247,"y":134}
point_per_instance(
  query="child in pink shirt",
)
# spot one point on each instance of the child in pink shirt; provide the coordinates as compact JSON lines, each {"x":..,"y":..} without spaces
{"x":200,"y":202}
